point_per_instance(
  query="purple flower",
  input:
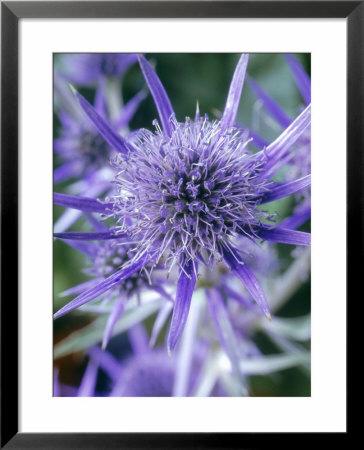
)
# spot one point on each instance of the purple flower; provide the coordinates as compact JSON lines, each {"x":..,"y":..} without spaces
{"x":90,"y":68}
{"x":81,"y":148}
{"x":83,"y":154}
{"x":205,"y":363}
{"x":189,"y":190}
{"x":145,"y":372}
{"x":105,"y":256}
{"x":297,"y":162}
{"x":146,"y":375}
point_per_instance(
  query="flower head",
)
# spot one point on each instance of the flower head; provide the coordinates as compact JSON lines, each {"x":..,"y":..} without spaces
{"x":189,"y":190}
{"x":89,"y":68}
{"x":104,"y":258}
{"x":83,"y":154}
{"x":109,"y":256}
{"x":80,"y":147}
{"x":188,"y":195}
{"x":297,"y":162}
{"x":149,"y":374}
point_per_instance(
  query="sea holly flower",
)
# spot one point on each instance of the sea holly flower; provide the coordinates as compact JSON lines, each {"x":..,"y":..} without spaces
{"x":103,"y":70}
{"x":188,"y":190}
{"x":297,"y":163}
{"x":142,"y":375}
{"x":83,"y":154}
{"x":237,"y":321}
{"x":105,"y":255}
{"x":217,"y":354}
{"x":151,"y":373}
{"x":138,"y":372}
{"x":90,"y":68}
{"x":146,"y":375}
{"x":81,"y":149}
{"x":303,"y":83}
{"x":79,"y":146}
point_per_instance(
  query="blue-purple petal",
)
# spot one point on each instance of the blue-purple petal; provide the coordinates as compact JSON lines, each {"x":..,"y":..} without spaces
{"x":104,"y":286}
{"x":224,"y":330}
{"x":113,"y":318}
{"x":159,"y":95}
{"x":80,"y":203}
{"x":89,"y":235}
{"x":285,"y":236}
{"x":278,"y":148}
{"x":301,"y":78}
{"x":245,"y":274}
{"x":285,"y":189}
{"x":276,"y":111}
{"x":233,"y":98}
{"x":111,"y":137}
{"x":185,"y":286}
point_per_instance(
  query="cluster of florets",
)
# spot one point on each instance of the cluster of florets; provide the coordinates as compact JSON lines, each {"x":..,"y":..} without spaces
{"x":184,"y":193}
{"x":108,"y":258}
{"x":189,"y":193}
{"x":146,"y":375}
{"x":110,"y":64}
{"x":81,"y":145}
{"x":90,"y":68}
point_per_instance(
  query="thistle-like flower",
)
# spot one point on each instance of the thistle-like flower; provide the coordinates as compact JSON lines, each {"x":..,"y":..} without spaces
{"x":297,"y":163}
{"x":216,"y":356}
{"x":83,"y":154}
{"x":187,"y":191}
{"x":139,"y":372}
{"x":80,"y":148}
{"x":103,"y":258}
{"x":91,"y":68}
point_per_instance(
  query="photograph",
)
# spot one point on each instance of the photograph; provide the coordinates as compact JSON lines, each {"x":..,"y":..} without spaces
{"x":182,"y":218}
{"x":160,"y":285}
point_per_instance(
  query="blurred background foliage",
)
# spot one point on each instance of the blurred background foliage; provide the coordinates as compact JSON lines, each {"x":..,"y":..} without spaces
{"x":189,"y":78}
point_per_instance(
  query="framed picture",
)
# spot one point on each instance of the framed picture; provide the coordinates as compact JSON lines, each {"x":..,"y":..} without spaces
{"x":169,"y":281}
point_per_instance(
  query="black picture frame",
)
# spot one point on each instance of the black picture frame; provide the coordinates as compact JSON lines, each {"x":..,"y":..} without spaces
{"x":11,"y":12}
